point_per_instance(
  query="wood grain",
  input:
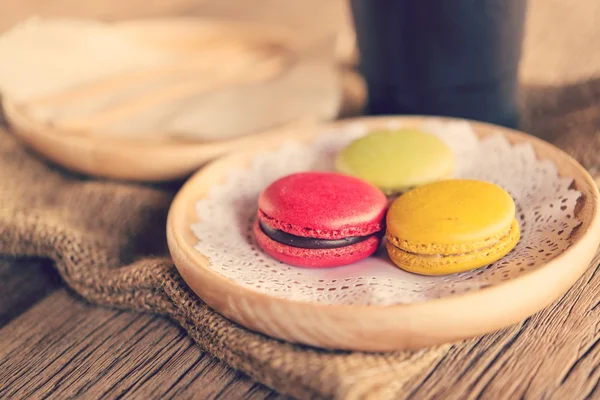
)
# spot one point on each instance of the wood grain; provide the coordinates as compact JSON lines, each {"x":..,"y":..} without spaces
{"x":553,"y":354}
{"x":63,"y":347}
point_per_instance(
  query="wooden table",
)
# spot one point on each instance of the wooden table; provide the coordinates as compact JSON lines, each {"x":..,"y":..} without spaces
{"x":53,"y":344}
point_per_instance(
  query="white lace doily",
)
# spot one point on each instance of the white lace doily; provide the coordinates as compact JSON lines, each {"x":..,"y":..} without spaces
{"x":545,"y":210}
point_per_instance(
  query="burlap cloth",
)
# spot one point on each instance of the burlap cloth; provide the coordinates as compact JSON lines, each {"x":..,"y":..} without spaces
{"x":107,"y":240}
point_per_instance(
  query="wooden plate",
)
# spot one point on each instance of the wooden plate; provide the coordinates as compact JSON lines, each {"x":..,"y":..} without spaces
{"x":155,"y":157}
{"x":383,"y":328}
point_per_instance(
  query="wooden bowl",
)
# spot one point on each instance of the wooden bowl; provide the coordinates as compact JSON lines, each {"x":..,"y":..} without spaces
{"x":395,"y":327}
{"x":123,"y":159}
{"x":155,"y":157}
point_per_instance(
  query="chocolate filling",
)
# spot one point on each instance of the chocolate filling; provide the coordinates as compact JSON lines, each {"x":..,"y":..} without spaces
{"x":309,"y":243}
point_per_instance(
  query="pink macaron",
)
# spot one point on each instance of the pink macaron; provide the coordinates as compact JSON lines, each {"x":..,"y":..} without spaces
{"x":320,"y":219}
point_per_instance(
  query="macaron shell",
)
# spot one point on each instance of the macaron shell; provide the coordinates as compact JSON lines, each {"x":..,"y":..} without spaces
{"x":323,"y":205}
{"x":316,"y":258}
{"x":447,"y":249}
{"x":397,"y":160}
{"x":455,"y":263}
{"x":450,"y":217}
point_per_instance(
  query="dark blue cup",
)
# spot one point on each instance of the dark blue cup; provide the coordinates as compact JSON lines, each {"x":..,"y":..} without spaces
{"x":442,"y":57}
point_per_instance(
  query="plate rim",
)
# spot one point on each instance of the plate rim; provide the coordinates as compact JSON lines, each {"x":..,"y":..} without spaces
{"x":126,"y":159}
{"x":585,"y":244}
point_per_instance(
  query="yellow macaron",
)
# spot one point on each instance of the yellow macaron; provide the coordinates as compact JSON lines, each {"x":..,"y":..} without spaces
{"x":451,"y":226}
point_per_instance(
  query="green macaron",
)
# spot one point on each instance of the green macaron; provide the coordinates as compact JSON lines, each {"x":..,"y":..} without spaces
{"x":397,"y":160}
